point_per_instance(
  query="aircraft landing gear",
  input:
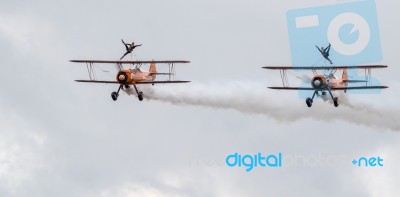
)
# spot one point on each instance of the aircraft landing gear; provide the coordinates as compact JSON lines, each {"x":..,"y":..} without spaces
{"x":114,"y":95}
{"x":335,"y":99}
{"x":309,"y":101}
{"x":140,"y":94}
{"x":335,"y":102}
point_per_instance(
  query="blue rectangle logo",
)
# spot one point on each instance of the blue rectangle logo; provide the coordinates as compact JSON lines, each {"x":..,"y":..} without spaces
{"x":351,"y":28}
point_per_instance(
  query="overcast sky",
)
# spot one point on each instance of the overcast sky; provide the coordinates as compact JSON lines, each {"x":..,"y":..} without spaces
{"x":62,"y":138}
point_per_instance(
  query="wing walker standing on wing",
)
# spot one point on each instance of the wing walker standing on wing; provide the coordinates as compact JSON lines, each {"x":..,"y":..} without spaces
{"x":129,"y":48}
{"x":325,"y":52}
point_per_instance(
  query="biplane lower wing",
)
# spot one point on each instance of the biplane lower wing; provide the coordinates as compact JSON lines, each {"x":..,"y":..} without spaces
{"x":323,"y":67}
{"x":332,"y":88}
{"x":140,"y":82}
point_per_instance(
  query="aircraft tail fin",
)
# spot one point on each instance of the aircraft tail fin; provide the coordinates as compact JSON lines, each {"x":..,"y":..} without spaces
{"x":153,"y":70}
{"x":345,"y":76}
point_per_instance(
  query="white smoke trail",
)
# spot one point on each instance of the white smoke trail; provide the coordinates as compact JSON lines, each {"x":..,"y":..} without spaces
{"x":255,"y":98}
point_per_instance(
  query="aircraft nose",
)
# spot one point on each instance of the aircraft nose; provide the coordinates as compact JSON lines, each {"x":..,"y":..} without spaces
{"x":121,"y":77}
{"x":317,"y":83}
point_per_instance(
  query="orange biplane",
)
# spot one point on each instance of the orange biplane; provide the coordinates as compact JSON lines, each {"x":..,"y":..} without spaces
{"x":328,"y":82}
{"x":131,"y":77}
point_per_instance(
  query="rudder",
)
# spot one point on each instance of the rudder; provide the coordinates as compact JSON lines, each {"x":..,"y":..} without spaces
{"x":153,"y":70}
{"x":345,"y":76}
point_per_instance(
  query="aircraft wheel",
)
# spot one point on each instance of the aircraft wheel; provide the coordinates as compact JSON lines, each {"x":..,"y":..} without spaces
{"x":140,"y":96}
{"x":114,"y":96}
{"x":335,"y":102}
{"x":309,"y":102}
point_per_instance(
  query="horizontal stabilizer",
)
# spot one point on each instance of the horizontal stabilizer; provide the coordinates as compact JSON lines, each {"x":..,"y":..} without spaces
{"x":162,"y":73}
{"x":355,"y":81}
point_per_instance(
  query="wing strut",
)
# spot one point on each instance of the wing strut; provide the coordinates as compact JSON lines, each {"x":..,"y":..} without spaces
{"x":119,"y":66}
{"x":91,"y":71}
{"x":171,"y":68}
{"x":368,"y":76}
{"x":284,"y":78}
{"x":314,"y":72}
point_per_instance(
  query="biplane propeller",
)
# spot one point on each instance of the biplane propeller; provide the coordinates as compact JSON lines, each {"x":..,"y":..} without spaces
{"x":132,"y":77}
{"x":327,"y":82}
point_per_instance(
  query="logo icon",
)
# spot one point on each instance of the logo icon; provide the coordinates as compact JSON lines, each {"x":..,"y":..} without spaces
{"x":351,"y":28}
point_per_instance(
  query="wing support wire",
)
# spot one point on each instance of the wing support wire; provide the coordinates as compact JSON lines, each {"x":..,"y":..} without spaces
{"x":314,"y":72}
{"x":119,"y":66}
{"x":334,"y":71}
{"x":284,"y":78}
{"x":91,"y":71}
{"x":172,"y":71}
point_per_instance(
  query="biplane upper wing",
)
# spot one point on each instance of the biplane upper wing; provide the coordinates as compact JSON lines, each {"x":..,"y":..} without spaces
{"x":323,"y":67}
{"x":140,"y":82}
{"x":96,"y":81}
{"x":332,"y":88}
{"x":129,"y":62}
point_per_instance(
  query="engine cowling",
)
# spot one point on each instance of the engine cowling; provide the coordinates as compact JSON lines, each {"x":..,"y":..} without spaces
{"x":319,"y":82}
{"x":124,"y":77}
